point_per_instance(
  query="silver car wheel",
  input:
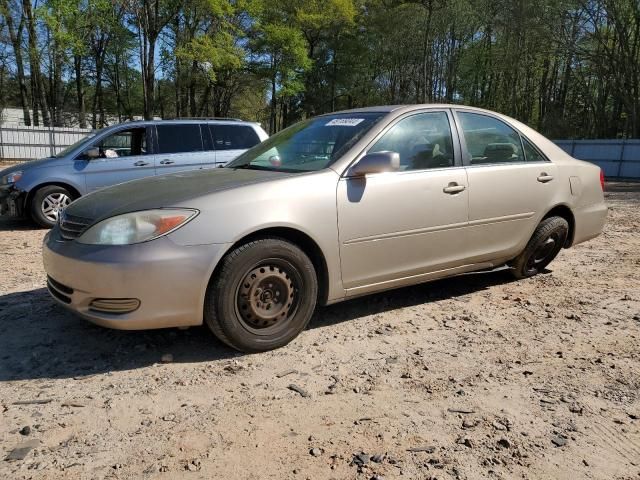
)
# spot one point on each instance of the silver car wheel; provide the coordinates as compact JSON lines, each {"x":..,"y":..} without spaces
{"x":53,"y":204}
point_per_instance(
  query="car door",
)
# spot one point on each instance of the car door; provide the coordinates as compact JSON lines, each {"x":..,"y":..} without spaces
{"x":511,"y":185}
{"x":407,"y":223}
{"x":230,"y":140}
{"x":179,"y":147}
{"x":124,"y":155}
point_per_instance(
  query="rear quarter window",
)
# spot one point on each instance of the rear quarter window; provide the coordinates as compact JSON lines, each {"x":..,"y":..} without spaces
{"x":233,"y":137}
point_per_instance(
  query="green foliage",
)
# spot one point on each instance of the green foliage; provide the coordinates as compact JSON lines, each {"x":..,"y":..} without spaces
{"x":566,"y":67}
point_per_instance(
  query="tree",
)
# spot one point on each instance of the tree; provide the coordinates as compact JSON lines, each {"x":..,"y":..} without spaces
{"x":15,"y":35}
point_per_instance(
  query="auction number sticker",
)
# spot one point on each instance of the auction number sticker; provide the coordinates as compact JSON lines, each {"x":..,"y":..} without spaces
{"x":344,"y":122}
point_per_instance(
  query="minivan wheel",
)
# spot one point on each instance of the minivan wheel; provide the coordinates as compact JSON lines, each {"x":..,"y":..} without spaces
{"x":263,"y":295}
{"x":546,"y":242}
{"x":47,"y":203}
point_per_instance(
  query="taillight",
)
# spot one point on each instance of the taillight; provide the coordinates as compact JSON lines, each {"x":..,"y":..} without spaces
{"x":602,"y":179}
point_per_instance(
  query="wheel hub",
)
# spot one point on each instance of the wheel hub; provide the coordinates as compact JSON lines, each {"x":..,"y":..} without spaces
{"x":266,"y":296}
{"x":541,"y":253}
{"x":53,"y":204}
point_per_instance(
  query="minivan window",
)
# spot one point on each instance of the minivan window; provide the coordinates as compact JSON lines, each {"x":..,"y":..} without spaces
{"x":176,"y":138}
{"x":123,"y":143}
{"x":233,"y":137}
{"x":490,"y":140}
{"x":423,"y":141}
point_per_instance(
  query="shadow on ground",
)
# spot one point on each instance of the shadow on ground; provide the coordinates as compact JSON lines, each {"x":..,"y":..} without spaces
{"x":13,"y":224}
{"x":41,"y":340}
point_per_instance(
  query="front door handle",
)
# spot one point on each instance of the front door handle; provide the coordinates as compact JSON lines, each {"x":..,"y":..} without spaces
{"x":166,"y":161}
{"x":141,"y":163}
{"x":545,"y":177}
{"x":453,"y":188}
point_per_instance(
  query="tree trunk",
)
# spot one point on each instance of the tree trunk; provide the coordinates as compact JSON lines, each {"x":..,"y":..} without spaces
{"x":82,"y":115}
{"x":98,"y":103}
{"x":272,"y":117}
{"x":15,"y":37}
{"x":192,"y":89}
{"x":149,"y":78}
{"x":34,"y":60}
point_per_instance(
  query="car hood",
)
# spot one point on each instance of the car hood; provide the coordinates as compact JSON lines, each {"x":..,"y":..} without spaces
{"x":164,"y":191}
{"x":28,"y":165}
{"x":44,"y":162}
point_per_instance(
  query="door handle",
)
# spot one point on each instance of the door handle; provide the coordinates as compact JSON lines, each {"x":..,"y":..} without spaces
{"x":545,"y":177}
{"x":453,"y":188}
{"x":166,"y":161}
{"x":141,"y":163}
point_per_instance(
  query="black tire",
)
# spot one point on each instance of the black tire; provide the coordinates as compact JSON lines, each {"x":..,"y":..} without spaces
{"x":55,"y":198}
{"x":244,"y":304}
{"x":546,"y":242}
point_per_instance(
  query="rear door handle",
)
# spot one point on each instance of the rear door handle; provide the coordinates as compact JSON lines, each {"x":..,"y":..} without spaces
{"x":453,"y":188}
{"x":141,"y":163}
{"x":545,"y":177}
{"x":166,"y":161}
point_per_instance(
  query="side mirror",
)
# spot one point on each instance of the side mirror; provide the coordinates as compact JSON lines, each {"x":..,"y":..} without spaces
{"x":376,"y":162}
{"x":92,"y":153}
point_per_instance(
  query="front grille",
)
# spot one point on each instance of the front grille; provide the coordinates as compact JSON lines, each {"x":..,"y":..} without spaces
{"x":114,"y":305}
{"x":59,"y":291}
{"x":72,"y":227}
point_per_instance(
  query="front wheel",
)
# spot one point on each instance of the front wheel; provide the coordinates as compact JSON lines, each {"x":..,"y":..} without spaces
{"x":546,"y":242}
{"x":263,"y":295}
{"x":47,"y":203}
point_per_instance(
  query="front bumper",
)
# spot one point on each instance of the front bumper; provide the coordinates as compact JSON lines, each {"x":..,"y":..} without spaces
{"x":169,"y":280}
{"x":11,"y":202}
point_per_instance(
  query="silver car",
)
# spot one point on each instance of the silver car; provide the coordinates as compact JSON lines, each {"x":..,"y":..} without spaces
{"x":334,"y":207}
{"x":132,"y":150}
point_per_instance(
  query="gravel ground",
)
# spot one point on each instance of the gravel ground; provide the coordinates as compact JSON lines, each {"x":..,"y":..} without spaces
{"x":475,"y":377}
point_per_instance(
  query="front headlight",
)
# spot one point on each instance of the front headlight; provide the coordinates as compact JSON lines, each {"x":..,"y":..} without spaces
{"x":136,"y":227}
{"x":12,"y":177}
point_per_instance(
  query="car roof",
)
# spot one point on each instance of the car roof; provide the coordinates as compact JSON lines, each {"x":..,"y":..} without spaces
{"x":408,"y":108}
{"x":223,"y":121}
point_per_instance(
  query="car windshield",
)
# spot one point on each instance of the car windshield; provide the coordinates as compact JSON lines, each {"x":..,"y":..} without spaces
{"x":70,"y":148}
{"x":309,"y":145}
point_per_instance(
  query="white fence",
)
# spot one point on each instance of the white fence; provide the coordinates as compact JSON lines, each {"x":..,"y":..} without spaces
{"x":28,"y":143}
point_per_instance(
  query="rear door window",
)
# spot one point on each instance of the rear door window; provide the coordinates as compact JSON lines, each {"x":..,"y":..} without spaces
{"x":233,"y":137}
{"x":176,"y":138}
{"x":490,"y":140}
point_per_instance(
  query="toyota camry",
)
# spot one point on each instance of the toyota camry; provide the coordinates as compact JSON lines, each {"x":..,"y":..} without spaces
{"x":337,"y":206}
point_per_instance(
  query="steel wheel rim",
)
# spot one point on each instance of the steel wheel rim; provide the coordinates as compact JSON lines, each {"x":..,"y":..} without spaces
{"x":53,"y":204}
{"x":267,"y":298}
{"x":543,"y":252}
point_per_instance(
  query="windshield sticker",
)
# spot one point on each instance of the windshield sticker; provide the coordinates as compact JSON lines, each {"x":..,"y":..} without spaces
{"x":344,"y":122}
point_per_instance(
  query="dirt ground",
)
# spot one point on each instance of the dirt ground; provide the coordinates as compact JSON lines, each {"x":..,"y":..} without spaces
{"x":474,"y":377}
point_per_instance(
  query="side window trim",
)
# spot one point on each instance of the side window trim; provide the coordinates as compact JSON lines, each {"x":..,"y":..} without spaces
{"x":206,"y":135}
{"x":466,"y":156}
{"x":457,"y":159}
{"x":150,"y":132}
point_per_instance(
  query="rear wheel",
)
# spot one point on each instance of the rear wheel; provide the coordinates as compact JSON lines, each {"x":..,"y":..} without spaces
{"x":545,"y":244}
{"x":47,"y":203}
{"x":263,"y":296}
